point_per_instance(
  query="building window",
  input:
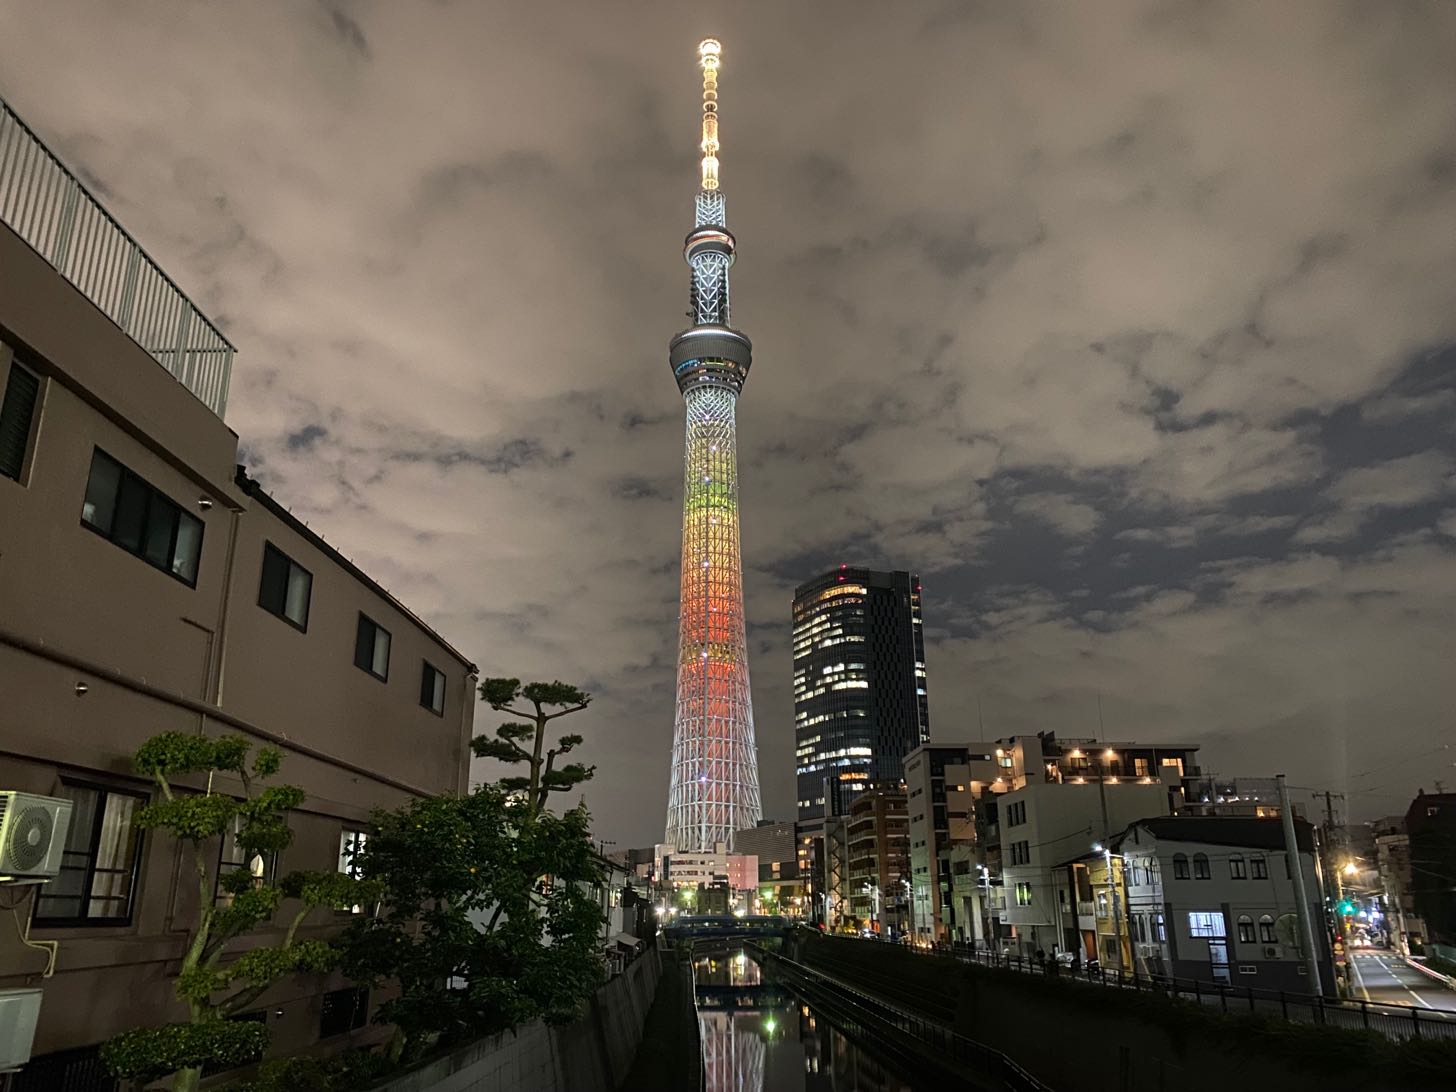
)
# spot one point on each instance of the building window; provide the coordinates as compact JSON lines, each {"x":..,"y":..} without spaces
{"x":1102,"y":904}
{"x":99,"y":864}
{"x":1202,"y":923}
{"x":122,"y":508}
{"x":371,"y":648}
{"x":1200,"y":867}
{"x":1180,"y":866}
{"x":232,"y":857}
{"x":351,"y":844}
{"x":1237,"y":870}
{"x":1175,"y":764}
{"x":1246,"y":929}
{"x":286,"y":587}
{"x":1259,"y":868}
{"x":1023,"y":894}
{"x":1266,"y":929}
{"x":17,"y":414}
{"x":1140,"y":768}
{"x":343,"y":1010}
{"x":432,"y":689}
{"x":1160,"y":928}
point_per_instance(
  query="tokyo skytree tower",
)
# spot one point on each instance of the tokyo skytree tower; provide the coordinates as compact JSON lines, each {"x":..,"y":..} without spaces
{"x":714,"y":786}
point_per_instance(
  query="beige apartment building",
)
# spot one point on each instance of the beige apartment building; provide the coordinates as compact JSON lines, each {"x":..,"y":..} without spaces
{"x":148,"y":584}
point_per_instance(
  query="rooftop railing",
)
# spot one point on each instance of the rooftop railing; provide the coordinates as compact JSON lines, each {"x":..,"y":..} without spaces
{"x":48,"y":207}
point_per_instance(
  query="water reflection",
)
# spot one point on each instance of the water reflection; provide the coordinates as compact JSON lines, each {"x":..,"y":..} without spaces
{"x":759,"y":1037}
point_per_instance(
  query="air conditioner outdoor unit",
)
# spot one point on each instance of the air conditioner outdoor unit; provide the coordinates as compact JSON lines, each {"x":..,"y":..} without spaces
{"x":32,"y":835}
{"x":1271,"y":953}
{"x":19,"y":1010}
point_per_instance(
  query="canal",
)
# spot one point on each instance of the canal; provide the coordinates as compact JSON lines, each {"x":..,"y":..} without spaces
{"x":759,"y":1036}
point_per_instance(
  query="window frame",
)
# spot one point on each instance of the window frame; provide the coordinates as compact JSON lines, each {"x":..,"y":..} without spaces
{"x":81,"y":920}
{"x":375,"y":630}
{"x":1245,"y":927}
{"x":358,"y":1015}
{"x":154,"y":497}
{"x":222,"y":898}
{"x":1201,"y":870}
{"x":32,"y":426}
{"x":352,"y":839}
{"x":1259,"y":867}
{"x":1204,"y":927}
{"x":289,"y":566}
{"x":1238,"y":868}
{"x":429,"y":675}
{"x":1180,"y":867}
{"x":1266,"y":929}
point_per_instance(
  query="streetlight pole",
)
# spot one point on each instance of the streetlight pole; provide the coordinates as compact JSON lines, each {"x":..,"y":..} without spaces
{"x":1296,"y":871}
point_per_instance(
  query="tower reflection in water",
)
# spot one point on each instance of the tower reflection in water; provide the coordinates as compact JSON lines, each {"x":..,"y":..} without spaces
{"x":759,"y":1037}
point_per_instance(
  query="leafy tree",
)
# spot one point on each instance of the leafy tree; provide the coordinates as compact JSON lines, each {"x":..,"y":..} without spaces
{"x":489,"y":919}
{"x":548,"y":702}
{"x":213,"y":991}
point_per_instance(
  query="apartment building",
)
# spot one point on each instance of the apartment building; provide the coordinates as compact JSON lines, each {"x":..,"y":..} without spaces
{"x":943,"y":783}
{"x":148,"y":584}
{"x":1207,"y":898}
{"x":1393,"y":866}
{"x":879,"y":860}
{"x":1023,"y":804}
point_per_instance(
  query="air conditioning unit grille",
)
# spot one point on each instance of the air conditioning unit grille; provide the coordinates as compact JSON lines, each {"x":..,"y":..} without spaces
{"x":32,"y":835}
{"x":30,"y":838}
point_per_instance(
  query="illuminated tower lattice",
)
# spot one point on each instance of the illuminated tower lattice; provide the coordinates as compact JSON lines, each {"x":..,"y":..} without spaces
{"x":714,"y":786}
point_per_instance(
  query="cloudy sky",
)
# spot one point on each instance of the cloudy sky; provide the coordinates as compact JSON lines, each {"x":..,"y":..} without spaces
{"x":1130,"y":326}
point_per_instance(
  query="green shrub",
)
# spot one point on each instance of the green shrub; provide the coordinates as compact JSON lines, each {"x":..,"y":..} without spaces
{"x":149,"y":1053}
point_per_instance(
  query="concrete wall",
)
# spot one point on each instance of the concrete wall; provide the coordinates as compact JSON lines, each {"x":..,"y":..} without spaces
{"x":593,"y":1054}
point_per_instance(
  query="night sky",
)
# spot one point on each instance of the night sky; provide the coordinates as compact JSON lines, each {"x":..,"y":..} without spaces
{"x":1130,"y":326}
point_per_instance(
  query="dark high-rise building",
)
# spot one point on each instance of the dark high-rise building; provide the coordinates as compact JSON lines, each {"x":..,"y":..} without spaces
{"x":859,"y":684}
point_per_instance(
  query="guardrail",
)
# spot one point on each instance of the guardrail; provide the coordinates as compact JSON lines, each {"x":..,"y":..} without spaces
{"x":48,"y":207}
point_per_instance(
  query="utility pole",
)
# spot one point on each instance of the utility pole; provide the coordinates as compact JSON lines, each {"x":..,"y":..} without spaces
{"x":1296,"y":872}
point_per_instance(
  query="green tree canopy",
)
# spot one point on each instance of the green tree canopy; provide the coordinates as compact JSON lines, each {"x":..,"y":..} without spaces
{"x":538,"y":704}
{"x":213,"y":990}
{"x":489,"y":917}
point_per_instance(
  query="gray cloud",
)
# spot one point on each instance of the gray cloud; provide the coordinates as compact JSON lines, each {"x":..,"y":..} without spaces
{"x":1129,"y":328}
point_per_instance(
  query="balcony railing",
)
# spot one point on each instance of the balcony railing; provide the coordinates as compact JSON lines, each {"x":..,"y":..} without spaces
{"x":48,"y":207}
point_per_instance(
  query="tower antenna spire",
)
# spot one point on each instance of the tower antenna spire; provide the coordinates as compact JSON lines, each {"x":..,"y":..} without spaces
{"x":713,"y":790}
{"x":710,"y":52}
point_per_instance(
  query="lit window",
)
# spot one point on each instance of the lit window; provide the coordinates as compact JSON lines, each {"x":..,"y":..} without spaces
{"x":234,"y":858}
{"x":1203,"y":923}
{"x":351,"y":844}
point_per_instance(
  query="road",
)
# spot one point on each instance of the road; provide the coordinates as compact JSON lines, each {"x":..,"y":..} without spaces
{"x":1383,"y":977}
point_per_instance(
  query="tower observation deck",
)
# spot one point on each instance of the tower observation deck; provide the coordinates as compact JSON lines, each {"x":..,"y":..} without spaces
{"x":713,"y":789}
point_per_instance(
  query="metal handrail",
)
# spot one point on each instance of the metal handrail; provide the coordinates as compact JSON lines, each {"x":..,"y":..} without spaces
{"x":49,"y":207}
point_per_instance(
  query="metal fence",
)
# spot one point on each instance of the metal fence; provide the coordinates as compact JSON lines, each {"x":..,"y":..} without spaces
{"x":50,"y":209}
{"x":1392,"y":1020}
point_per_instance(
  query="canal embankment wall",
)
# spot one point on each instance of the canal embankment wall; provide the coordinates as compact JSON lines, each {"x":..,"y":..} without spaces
{"x":1070,"y":1035}
{"x":591,"y":1054}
